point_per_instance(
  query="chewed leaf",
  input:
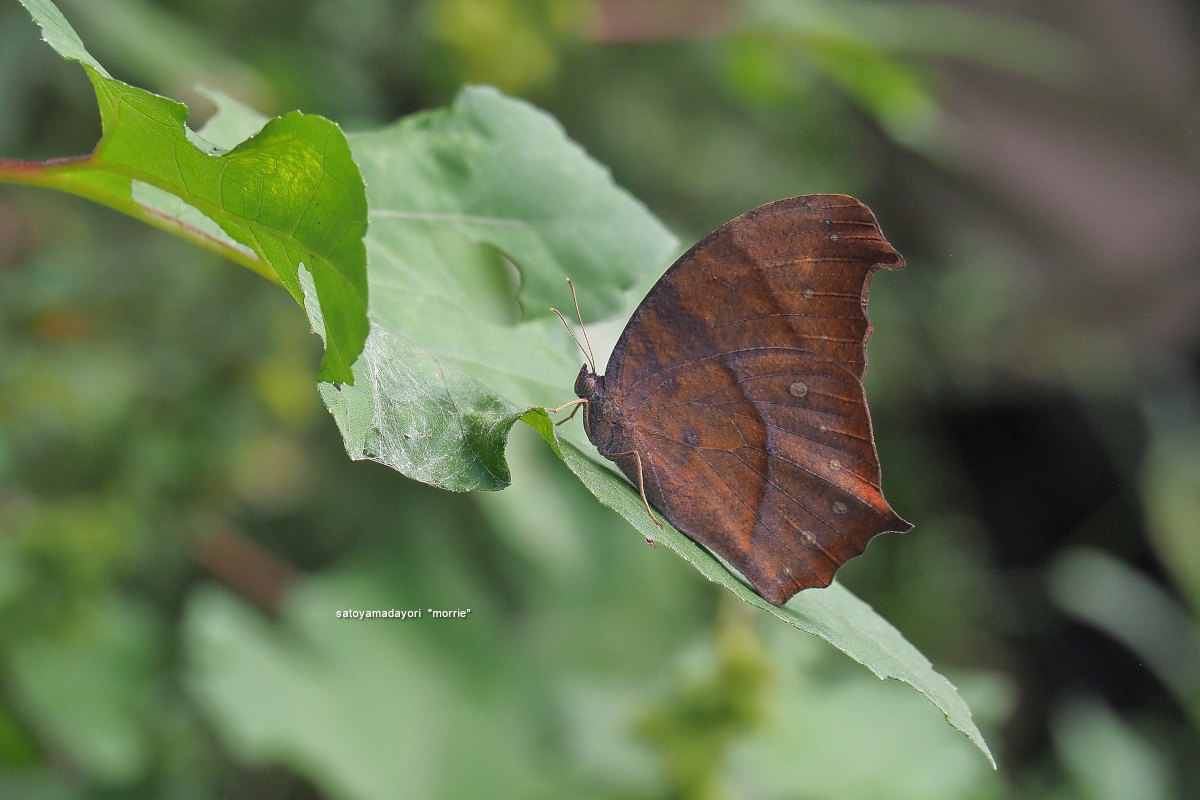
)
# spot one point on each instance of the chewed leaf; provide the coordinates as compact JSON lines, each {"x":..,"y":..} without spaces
{"x":449,"y":432}
{"x":289,"y":193}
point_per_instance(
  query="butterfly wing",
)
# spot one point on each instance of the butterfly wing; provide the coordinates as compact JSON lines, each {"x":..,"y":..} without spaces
{"x":760,"y":456}
{"x":792,"y":273}
{"x":739,"y":378}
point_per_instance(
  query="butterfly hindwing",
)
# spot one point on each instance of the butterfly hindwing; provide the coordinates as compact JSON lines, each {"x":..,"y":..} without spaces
{"x":759,"y":456}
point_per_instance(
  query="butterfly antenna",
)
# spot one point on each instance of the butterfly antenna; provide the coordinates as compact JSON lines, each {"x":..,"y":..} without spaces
{"x":576,"y":338}
{"x":591,"y":353}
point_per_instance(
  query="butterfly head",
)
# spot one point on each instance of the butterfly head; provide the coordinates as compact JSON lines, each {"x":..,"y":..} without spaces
{"x":588,"y":384}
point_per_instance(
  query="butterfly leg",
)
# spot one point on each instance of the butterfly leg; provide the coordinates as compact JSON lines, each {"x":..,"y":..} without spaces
{"x":577,"y":403}
{"x":642,"y":489}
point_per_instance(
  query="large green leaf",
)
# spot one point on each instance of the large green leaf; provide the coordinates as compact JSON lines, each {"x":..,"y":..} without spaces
{"x":832,"y":613}
{"x":364,"y":709}
{"x":290,"y":194}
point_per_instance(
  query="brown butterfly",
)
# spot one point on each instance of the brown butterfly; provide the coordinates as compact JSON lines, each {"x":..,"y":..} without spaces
{"x":734,"y":399}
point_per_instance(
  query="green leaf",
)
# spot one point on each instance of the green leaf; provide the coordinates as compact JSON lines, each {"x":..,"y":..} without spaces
{"x":865,"y":47}
{"x":1135,"y":611}
{"x":456,"y":196}
{"x":359,"y":707}
{"x":1108,"y":758}
{"x":925,"y":29}
{"x":82,"y":683}
{"x":503,"y":173}
{"x":821,"y":722}
{"x":832,"y":613}
{"x":289,"y":194}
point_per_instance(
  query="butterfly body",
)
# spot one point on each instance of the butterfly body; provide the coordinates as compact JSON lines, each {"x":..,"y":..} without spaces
{"x":734,"y":397}
{"x":603,"y":421}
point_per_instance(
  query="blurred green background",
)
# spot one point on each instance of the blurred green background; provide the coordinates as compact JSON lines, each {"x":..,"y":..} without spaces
{"x":179,"y":522}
